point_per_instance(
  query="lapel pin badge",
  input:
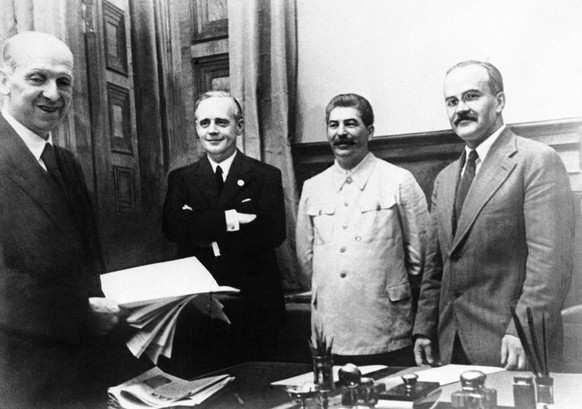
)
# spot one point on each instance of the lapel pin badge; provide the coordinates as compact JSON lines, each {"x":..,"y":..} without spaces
{"x":240,"y":182}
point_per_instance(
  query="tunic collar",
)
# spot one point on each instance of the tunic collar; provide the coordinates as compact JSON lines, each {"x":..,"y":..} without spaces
{"x":359,"y":175}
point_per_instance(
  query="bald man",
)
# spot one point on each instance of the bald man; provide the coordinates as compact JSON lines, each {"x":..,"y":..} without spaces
{"x":53,"y":315}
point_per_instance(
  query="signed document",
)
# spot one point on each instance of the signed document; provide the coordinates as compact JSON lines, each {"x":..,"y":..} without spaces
{"x":154,"y":295}
{"x":144,"y":285}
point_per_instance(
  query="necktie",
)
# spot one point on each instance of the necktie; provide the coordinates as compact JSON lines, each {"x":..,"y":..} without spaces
{"x":50,"y":161}
{"x":218,"y":178}
{"x":464,"y":185}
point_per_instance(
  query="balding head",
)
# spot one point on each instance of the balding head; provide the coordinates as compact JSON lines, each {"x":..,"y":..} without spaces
{"x":36,"y":80}
{"x":31,"y":44}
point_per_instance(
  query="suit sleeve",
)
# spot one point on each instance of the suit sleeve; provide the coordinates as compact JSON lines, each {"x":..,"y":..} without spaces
{"x":179,"y":224}
{"x":549,"y":213}
{"x":304,"y":239}
{"x":414,"y":219}
{"x":268,"y":230}
{"x":426,"y":321}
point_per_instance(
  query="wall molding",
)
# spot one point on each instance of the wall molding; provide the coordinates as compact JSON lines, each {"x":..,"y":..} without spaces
{"x":436,"y":149}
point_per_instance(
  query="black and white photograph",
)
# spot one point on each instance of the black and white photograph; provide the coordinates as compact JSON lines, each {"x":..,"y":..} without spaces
{"x":289,"y":204}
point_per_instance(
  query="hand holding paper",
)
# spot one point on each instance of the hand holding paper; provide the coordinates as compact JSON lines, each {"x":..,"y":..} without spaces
{"x":155,"y":294}
{"x":104,"y":315}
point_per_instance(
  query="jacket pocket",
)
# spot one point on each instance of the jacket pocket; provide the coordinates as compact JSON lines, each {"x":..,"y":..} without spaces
{"x":322,"y":218}
{"x":379,"y":216}
{"x":399,"y":292}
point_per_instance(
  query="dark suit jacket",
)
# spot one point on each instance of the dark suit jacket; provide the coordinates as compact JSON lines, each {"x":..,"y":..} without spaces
{"x":513,"y":247}
{"x":247,"y":258}
{"x":50,"y":259}
{"x":50,"y":262}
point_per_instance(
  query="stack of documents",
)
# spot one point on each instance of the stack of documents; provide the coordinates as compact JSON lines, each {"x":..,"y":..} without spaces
{"x":155,"y":294}
{"x":157,"y":389}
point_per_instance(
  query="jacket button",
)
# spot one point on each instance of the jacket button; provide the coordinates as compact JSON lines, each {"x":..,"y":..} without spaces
{"x":343,"y":275}
{"x":342,"y":250}
{"x":455,"y":256}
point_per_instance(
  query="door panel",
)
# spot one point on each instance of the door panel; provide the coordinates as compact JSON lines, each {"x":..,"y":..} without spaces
{"x":118,"y":186}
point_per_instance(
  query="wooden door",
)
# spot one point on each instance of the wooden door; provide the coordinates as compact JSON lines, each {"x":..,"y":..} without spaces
{"x":129,"y":234}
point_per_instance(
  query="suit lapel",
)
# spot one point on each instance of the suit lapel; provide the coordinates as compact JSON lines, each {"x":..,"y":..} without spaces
{"x":494,"y":171}
{"x":238,"y":178}
{"x":20,"y":165}
{"x":446,"y":198}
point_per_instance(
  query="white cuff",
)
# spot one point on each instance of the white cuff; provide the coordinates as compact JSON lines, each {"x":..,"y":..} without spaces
{"x":215,"y":249}
{"x":232,"y":223}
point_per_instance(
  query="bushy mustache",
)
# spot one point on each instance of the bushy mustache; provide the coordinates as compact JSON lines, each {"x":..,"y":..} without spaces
{"x":465,"y":116}
{"x":343,"y":140}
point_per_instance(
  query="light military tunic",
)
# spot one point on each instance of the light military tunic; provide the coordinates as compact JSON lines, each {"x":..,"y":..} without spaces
{"x":360,"y":236}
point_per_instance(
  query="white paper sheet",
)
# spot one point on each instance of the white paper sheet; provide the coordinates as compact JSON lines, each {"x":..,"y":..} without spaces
{"x":444,"y":375}
{"x":308,"y":377}
{"x":174,"y":278}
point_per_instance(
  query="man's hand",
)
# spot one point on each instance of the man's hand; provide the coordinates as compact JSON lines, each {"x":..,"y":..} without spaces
{"x":512,"y":354}
{"x":104,"y":314}
{"x":246,"y":218}
{"x":423,"y":353}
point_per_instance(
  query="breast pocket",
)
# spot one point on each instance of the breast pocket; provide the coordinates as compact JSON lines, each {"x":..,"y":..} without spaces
{"x":378,"y":217}
{"x":398,"y":292}
{"x":322,"y":218}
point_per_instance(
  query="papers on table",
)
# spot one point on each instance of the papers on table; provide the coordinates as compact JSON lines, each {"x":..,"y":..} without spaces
{"x":444,"y":375}
{"x":155,"y":294}
{"x":157,"y":389}
{"x":308,"y":377}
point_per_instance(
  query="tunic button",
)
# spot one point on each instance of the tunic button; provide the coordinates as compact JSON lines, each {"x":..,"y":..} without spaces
{"x":342,"y":250}
{"x":358,"y":238}
{"x":346,"y":204}
{"x":349,"y":180}
{"x":378,"y":208}
{"x":343,"y":275}
{"x":345,"y":227}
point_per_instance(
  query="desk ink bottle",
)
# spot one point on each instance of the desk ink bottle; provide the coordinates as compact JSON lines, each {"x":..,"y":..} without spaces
{"x":524,"y":395}
{"x":474,"y":394}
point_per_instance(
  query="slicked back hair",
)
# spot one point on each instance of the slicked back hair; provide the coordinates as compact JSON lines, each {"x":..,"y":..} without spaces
{"x":220,"y":94}
{"x":495,"y":78}
{"x":352,"y":101}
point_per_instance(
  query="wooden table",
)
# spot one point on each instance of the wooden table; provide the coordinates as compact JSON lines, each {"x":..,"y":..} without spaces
{"x":253,"y":385}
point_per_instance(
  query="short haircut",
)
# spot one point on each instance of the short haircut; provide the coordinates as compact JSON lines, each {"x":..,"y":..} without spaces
{"x":352,"y":101}
{"x":238,"y":115}
{"x":495,"y":78}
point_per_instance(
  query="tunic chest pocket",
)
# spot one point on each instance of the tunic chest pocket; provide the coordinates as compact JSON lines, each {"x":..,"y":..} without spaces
{"x":379,"y":216}
{"x":398,"y":292}
{"x":322,"y":218}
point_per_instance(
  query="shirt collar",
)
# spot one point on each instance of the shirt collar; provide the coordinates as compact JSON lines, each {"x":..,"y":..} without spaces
{"x":224,"y":165}
{"x":485,"y":146}
{"x":359,"y":174}
{"x":33,"y":142}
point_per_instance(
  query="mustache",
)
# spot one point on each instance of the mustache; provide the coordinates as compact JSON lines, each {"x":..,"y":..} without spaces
{"x":343,"y":140}
{"x":465,"y":116}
